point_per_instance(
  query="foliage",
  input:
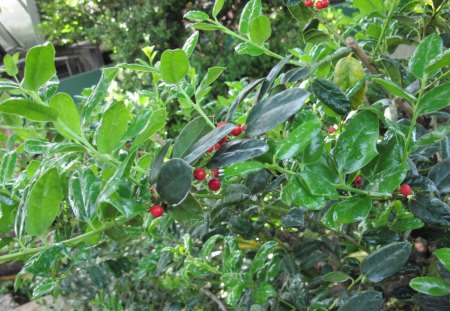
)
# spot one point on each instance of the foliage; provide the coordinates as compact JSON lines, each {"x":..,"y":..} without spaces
{"x":309,"y":215}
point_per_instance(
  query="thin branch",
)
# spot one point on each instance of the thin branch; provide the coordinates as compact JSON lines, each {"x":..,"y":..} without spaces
{"x":214,"y":298}
{"x":365,"y":59}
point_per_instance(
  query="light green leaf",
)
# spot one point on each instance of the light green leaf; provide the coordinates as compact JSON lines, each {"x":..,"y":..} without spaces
{"x":251,"y":10}
{"x":211,"y":76}
{"x":368,"y":7}
{"x":112,"y":128}
{"x":190,"y":44}
{"x":443,"y":255}
{"x":260,"y":29}
{"x":69,"y":120}
{"x":39,"y":66}
{"x":10,"y":63}
{"x":28,"y":109}
{"x":428,"y":49}
{"x":196,"y":16}
{"x":394,"y":89}
{"x":431,"y":286}
{"x":434,"y":100}
{"x":218,"y":5}
{"x":174,"y":65}
{"x":156,"y":122}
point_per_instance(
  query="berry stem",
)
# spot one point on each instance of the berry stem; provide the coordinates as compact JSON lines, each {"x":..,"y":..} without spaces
{"x":195,"y":106}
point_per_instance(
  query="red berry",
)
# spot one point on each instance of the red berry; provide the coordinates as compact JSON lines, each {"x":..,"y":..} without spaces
{"x":210,"y":149}
{"x":308,"y":3}
{"x":199,"y":174}
{"x":220,"y":124}
{"x":325,"y":3}
{"x":214,"y":184}
{"x":331,"y":130}
{"x":223,"y":140}
{"x":405,"y":190}
{"x":215,"y":172}
{"x":236,"y":131}
{"x":156,"y":211}
{"x":358,"y":180}
{"x":217,"y":146}
{"x":319,"y":5}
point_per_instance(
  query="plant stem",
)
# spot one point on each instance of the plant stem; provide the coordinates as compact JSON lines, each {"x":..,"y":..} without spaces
{"x":364,"y":192}
{"x":195,"y":106}
{"x":330,"y":29}
{"x":387,"y":21}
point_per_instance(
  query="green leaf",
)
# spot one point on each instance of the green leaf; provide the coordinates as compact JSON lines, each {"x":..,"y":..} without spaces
{"x":174,"y":65}
{"x":301,"y":13}
{"x":246,"y":48}
{"x":273,"y":111}
{"x":356,"y":146}
{"x":431,"y":286}
{"x":331,"y":96}
{"x":235,"y":285}
{"x":218,"y":5}
{"x":207,"y":141}
{"x":441,"y":61}
{"x":209,"y":245}
{"x":211,"y":76}
{"x":69,"y":120}
{"x":44,"y":287}
{"x":434,"y":100}
{"x":99,"y":92}
{"x":261,"y":257}
{"x":84,"y":189}
{"x":189,"y":135}
{"x":238,"y":150}
{"x":428,"y":49}
{"x":138,"y":67}
{"x":251,"y":10}
{"x":433,"y":136}
{"x":112,"y":128}
{"x":294,"y":218}
{"x":39,"y":66}
{"x":10,"y":63}
{"x":156,"y":122}
{"x":174,"y":181}
{"x":368,"y":300}
{"x":205,"y":26}
{"x":43,"y":203}
{"x":243,"y":168}
{"x":196,"y":16}
{"x":260,"y":29}
{"x":235,"y":193}
{"x":298,"y":140}
{"x":381,"y":235}
{"x":431,"y":210}
{"x":240,"y":98}
{"x":351,"y":210}
{"x":336,"y":277}
{"x":28,"y":109}
{"x":263,"y":293}
{"x":232,"y":255}
{"x":191,"y":43}
{"x":386,"y":261}
{"x":157,"y":163}
{"x":318,"y":186}
{"x":270,"y":79}
{"x":388,"y":180}
{"x":7,"y":167}
{"x":394,"y":89}
{"x":296,"y":193}
{"x":440,"y":175}
{"x":443,"y":255}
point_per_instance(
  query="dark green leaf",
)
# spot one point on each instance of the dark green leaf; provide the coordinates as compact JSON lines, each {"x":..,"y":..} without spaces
{"x":386,"y":261}
{"x":273,"y":111}
{"x":189,"y":135}
{"x":235,"y":284}
{"x":261,"y":257}
{"x":235,"y":193}
{"x":428,"y":49}
{"x":431,"y":286}
{"x":440,"y":175}
{"x":433,"y":137}
{"x":28,"y":109}
{"x":331,"y":96}
{"x":434,"y":100}
{"x":388,"y":180}
{"x":174,"y":181}
{"x":39,"y":66}
{"x":357,"y":145}
{"x":378,"y":236}
{"x":209,"y":245}
{"x":43,"y":203}
{"x":241,"y":96}
{"x":158,"y":162}
{"x":336,"y":277}
{"x":351,"y":210}
{"x":112,"y":128}
{"x":298,"y":140}
{"x":295,"y":193}
{"x":430,"y":303}
{"x":318,"y":186}
{"x":296,"y":75}
{"x":431,"y":210}
{"x":188,"y":213}
{"x":238,"y":150}
{"x":294,"y":218}
{"x":263,"y":293}
{"x":368,"y":300}
{"x":207,"y":141}
{"x":269,"y":80}
{"x":174,"y":65}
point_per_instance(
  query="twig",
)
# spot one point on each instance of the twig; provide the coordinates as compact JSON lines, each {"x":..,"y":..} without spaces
{"x":365,"y":59}
{"x":214,"y":298}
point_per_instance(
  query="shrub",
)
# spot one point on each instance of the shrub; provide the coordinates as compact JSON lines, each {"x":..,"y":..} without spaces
{"x":335,"y":195}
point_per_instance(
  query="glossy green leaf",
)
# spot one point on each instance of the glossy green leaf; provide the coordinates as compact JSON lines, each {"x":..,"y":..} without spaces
{"x":356,"y":146}
{"x":84,"y":189}
{"x":386,"y":181}
{"x":431,"y":286}
{"x":44,"y":287}
{"x":441,"y":61}
{"x":351,"y":210}
{"x":296,"y":75}
{"x":295,"y":193}
{"x":209,"y":245}
{"x":428,"y":49}
{"x":235,"y":193}
{"x":431,"y":210}
{"x":235,"y":285}
{"x":125,"y":205}
{"x":260,"y":29}
{"x":434,"y":100}
{"x":331,"y":96}
{"x":251,"y":10}
{"x":155,"y":123}
{"x":191,"y":43}
{"x":263,"y":293}
{"x":261,"y":257}
{"x":368,"y":300}
{"x":174,"y":181}
{"x":211,"y":76}
{"x":238,"y":150}
{"x":298,"y":140}
{"x":157,"y":163}
{"x":99,"y":92}
{"x":190,"y":134}
{"x":196,"y":16}
{"x":28,"y":109}
{"x":242,"y":168}
{"x":294,"y":218}
{"x":443,"y":255}
{"x":301,"y":13}
{"x":273,"y":111}
{"x":368,"y":7}
{"x":336,"y":277}
{"x":232,"y":255}
{"x":433,"y":137}
{"x":139,"y":122}
{"x":7,"y":166}
{"x":188,"y":213}
{"x":240,"y":98}
{"x":394,"y":89}
{"x":43,"y":203}
{"x":69,"y":120}
{"x":174,"y":65}
{"x":318,"y":186}
{"x":218,"y":5}
{"x":270,"y":79}
{"x":440,"y":175}
{"x":245,"y":48}
{"x":205,"y":26}
{"x":39,"y":66}
{"x":380,"y":236}
{"x":207,"y":141}
{"x":386,"y":261}
{"x":113,"y":127}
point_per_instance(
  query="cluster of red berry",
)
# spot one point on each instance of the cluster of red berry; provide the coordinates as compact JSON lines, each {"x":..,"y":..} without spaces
{"x":322,"y":4}
{"x":214,"y":184}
